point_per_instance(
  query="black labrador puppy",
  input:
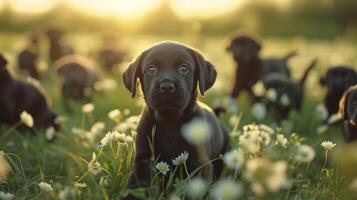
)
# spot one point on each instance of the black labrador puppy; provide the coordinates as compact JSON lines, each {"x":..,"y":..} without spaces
{"x":27,"y":58}
{"x":19,"y":95}
{"x":289,"y":93}
{"x":348,"y":110}
{"x":337,"y":80}
{"x":250,"y":67}
{"x":57,"y":47}
{"x":169,"y":74}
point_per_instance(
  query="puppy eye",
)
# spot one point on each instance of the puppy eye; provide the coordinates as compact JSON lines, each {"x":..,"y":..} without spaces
{"x":183,"y":69}
{"x":151,"y":70}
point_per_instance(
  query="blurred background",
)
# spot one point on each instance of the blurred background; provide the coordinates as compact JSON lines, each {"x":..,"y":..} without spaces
{"x":309,"y":18}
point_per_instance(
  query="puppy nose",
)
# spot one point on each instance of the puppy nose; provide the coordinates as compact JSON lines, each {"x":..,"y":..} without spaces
{"x":167,"y":86}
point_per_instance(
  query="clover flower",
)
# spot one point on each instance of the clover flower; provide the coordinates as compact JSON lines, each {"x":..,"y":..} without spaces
{"x":45,"y":187}
{"x":26,"y":119}
{"x":327,"y":145}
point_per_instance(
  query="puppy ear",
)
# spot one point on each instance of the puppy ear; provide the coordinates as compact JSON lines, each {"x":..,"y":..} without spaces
{"x":343,"y":106}
{"x":3,"y":61}
{"x":207,"y":73}
{"x":131,"y":74}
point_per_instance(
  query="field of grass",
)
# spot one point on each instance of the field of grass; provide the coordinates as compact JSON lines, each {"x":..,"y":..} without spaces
{"x":66,"y":162}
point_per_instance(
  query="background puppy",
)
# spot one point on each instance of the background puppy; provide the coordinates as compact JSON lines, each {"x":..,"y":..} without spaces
{"x":289,"y":94}
{"x":348,"y":110}
{"x":27,"y":58}
{"x":57,"y":47}
{"x":18,"y":95}
{"x":250,"y":67}
{"x":111,"y":54}
{"x":337,"y":80}
{"x":169,"y":73}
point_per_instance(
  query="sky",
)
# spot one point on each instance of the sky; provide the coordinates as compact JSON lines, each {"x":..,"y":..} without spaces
{"x":129,"y":9}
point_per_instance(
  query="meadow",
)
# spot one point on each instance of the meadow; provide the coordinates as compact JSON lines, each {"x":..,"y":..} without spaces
{"x":287,"y":161}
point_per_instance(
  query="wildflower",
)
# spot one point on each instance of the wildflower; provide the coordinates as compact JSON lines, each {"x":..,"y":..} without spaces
{"x":97,"y":128}
{"x":4,"y":167}
{"x":282,"y":140}
{"x":26,"y":118}
{"x":259,"y":111}
{"x":45,"y":187}
{"x":272,"y":95}
{"x":259,"y":89}
{"x":196,"y":188}
{"x":321,"y":111}
{"x":327,"y":145}
{"x":114,"y":115}
{"x":50,"y":133}
{"x":226,"y":190}
{"x":80,"y":185}
{"x":250,"y":141}
{"x":6,"y":196}
{"x":163,"y":167}
{"x":197,"y":131}
{"x":94,"y":166}
{"x":180,"y":159}
{"x":305,"y":154}
{"x":88,"y":108}
{"x":104,"y":181}
{"x":109,"y":138}
{"x":234,"y":159}
{"x":285,"y":100}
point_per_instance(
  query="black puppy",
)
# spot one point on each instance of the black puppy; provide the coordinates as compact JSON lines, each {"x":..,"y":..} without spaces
{"x":27,"y":58}
{"x":57,"y":47}
{"x":250,"y":67}
{"x":18,"y":95}
{"x":337,"y":80}
{"x":111,"y":53}
{"x":348,"y":110}
{"x":169,"y":73}
{"x":289,"y":94}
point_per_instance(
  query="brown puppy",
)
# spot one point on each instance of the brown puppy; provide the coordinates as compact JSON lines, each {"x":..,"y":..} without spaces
{"x":169,"y":74}
{"x":250,"y":67}
{"x":78,"y":75}
{"x":18,"y":95}
{"x":57,"y":46}
{"x":348,"y":110}
{"x":27,"y":58}
{"x":111,"y":54}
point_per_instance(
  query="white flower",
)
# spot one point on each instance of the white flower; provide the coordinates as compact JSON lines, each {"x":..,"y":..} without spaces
{"x":272,"y":95}
{"x":94,"y":166}
{"x":334,"y":118}
{"x":80,"y":185}
{"x":26,"y":118}
{"x":226,"y":190}
{"x":163,"y":167}
{"x":4,"y":167}
{"x":196,"y":188}
{"x":305,"y":154}
{"x":259,"y":89}
{"x":180,"y":159}
{"x":327,"y":145}
{"x":104,"y":181}
{"x":110,"y":137}
{"x":250,"y":139}
{"x":197,"y":131}
{"x":234,"y":159}
{"x":114,"y":115}
{"x":6,"y":196}
{"x":285,"y":100}
{"x":97,"y":128}
{"x":50,"y":133}
{"x":321,"y":111}
{"x":282,"y":140}
{"x":88,"y":108}
{"x":259,"y":111}
{"x":45,"y":187}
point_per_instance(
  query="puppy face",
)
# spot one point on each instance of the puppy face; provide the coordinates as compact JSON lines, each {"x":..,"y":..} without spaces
{"x":338,"y":79}
{"x":348,"y":105}
{"x":244,"y":48}
{"x":169,"y":73}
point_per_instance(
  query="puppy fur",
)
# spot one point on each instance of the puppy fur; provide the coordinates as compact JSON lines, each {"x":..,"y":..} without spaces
{"x":283,"y":85}
{"x":18,"y":95}
{"x":348,"y":110}
{"x":337,"y":80}
{"x":250,"y":67}
{"x":27,"y":58}
{"x":57,"y":47}
{"x":78,"y":75}
{"x":169,"y":74}
{"x":111,"y":54}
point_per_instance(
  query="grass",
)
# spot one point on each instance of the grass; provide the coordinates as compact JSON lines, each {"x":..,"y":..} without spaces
{"x":65,"y":161}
